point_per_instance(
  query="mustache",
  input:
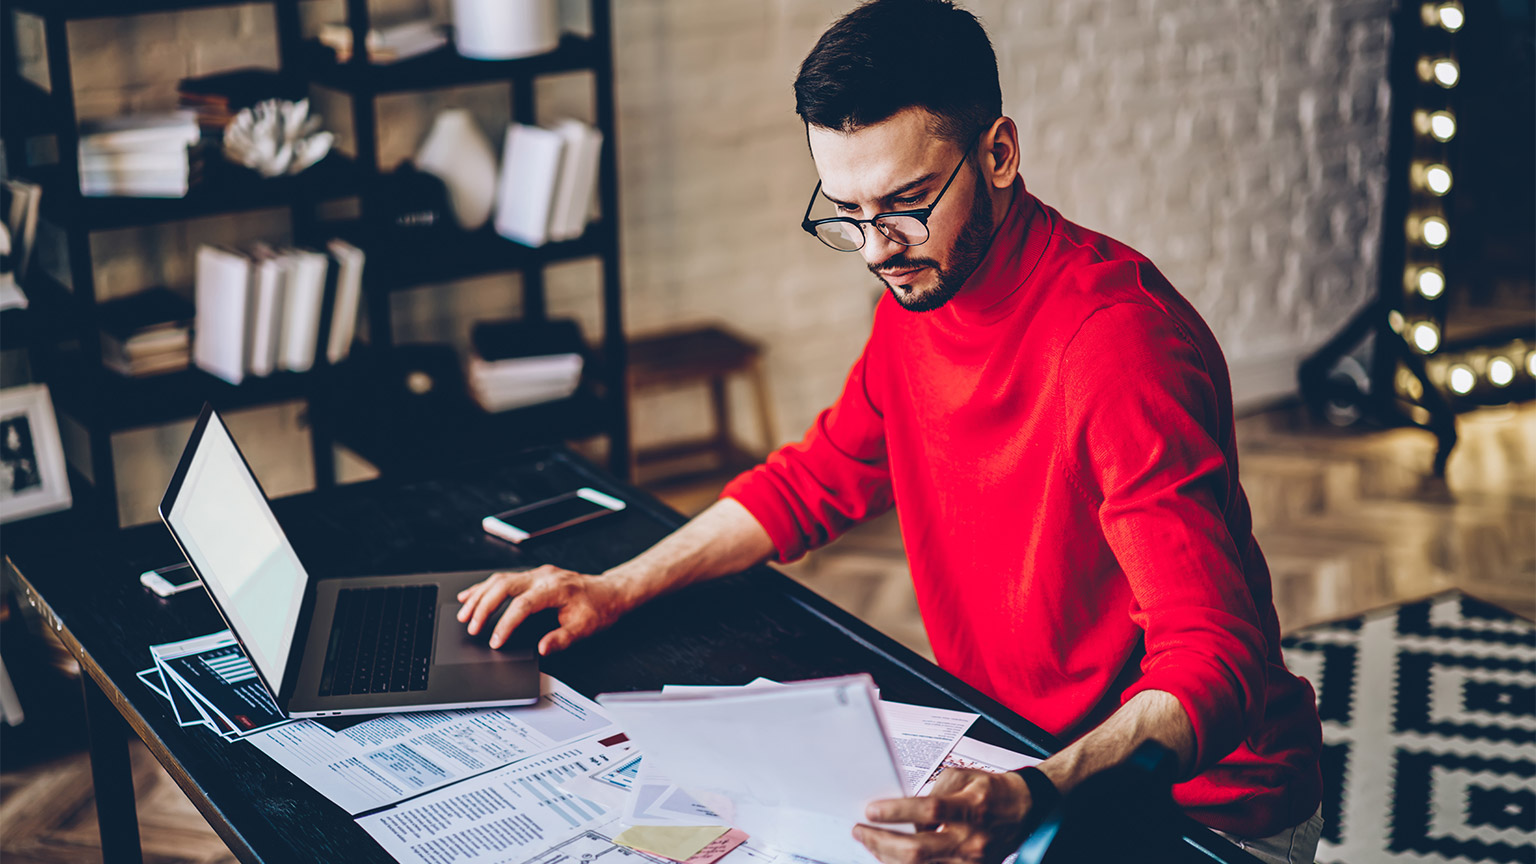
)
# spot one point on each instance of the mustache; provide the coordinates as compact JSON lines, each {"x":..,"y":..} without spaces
{"x":902,"y":262}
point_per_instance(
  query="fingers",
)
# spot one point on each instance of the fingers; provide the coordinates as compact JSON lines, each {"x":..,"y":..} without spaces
{"x":533,"y":600}
{"x":558,"y":639}
{"x":487,"y":596}
{"x":893,"y":848}
{"x":931,"y":810}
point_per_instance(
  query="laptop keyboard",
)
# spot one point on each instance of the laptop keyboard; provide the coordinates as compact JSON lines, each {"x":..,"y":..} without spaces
{"x":381,"y":640}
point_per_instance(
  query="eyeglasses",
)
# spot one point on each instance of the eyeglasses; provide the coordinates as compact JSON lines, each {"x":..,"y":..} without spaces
{"x":846,"y":234}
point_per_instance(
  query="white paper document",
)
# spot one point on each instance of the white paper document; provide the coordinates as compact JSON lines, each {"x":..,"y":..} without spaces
{"x":980,"y":756}
{"x":506,"y":816}
{"x":793,"y":766}
{"x":922,"y":737}
{"x":394,"y":756}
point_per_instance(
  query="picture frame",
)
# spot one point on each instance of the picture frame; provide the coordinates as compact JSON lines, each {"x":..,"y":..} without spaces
{"x":33,"y":476}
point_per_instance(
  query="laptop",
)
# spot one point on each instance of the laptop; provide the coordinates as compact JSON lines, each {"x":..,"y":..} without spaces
{"x":328,"y":646}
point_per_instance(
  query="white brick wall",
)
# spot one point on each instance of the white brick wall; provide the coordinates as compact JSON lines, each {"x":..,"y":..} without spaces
{"x":1238,"y":143}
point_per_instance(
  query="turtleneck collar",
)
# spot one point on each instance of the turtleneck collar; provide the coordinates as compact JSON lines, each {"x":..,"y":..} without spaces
{"x":1017,"y":244}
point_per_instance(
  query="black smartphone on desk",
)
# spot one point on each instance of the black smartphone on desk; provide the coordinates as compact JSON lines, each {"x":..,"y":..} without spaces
{"x":551,"y":514}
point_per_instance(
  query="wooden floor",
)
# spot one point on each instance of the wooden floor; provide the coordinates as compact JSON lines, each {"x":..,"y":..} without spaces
{"x":1348,"y":521}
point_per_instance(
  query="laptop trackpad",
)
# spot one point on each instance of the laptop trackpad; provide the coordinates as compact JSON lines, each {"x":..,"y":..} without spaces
{"x":455,"y":645}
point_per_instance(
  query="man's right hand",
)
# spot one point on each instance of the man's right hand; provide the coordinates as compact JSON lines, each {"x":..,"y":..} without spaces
{"x":587,"y":604}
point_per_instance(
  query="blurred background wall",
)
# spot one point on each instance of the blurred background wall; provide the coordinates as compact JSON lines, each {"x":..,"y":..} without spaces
{"x":1238,"y":143}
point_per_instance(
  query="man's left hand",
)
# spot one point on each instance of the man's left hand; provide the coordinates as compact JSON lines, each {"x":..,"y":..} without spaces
{"x":971,"y":816}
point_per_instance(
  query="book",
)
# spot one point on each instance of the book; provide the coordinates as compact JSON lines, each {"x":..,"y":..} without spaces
{"x":98,"y":186}
{"x":386,"y":44}
{"x":302,"y":307}
{"x":168,"y":131}
{"x":270,"y":285}
{"x":530,"y":170}
{"x":513,"y":338}
{"x":20,"y":212}
{"x":517,"y":363}
{"x":223,"y":280}
{"x":146,"y":333}
{"x":349,"y":293}
{"x":578,"y":179}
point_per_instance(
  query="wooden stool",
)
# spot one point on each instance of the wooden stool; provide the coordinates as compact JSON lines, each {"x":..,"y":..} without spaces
{"x":706,"y":354}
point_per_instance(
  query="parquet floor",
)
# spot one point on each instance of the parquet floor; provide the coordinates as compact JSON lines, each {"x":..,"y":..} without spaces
{"x":1348,"y":520}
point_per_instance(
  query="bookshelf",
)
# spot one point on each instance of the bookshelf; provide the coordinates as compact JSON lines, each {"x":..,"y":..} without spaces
{"x":353,"y":403}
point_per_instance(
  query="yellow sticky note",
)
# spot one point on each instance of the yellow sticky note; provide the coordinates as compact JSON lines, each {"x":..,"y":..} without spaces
{"x":678,"y":842}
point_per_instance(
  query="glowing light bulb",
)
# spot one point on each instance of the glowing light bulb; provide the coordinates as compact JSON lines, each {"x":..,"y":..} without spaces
{"x":1530,"y":364}
{"x":1447,"y":73}
{"x":1462,"y":379}
{"x":1451,"y":16}
{"x":1430,"y":282}
{"x":1442,"y":125}
{"x":1438,"y":179}
{"x":1501,"y":371}
{"x":1426,"y":336}
{"x":1435,"y":232}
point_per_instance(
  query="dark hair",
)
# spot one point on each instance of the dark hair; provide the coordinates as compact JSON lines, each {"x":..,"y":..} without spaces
{"x":889,"y":55}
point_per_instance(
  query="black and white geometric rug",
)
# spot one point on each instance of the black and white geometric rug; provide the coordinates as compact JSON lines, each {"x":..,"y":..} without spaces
{"x":1429,"y":732}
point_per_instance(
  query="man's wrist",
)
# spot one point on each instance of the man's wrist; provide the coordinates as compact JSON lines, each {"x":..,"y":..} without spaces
{"x":1043,"y":794}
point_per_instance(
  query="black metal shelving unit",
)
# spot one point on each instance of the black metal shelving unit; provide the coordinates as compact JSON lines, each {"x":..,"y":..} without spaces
{"x":352,"y":403}
{"x":393,"y":427}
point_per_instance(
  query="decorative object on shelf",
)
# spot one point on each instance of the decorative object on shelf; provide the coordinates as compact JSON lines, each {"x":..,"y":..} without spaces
{"x":276,"y":137}
{"x":413,"y":205}
{"x":505,"y":29}
{"x":386,"y":44}
{"x":217,"y":98}
{"x":33,"y":479}
{"x":140,"y":155}
{"x":457,"y":152}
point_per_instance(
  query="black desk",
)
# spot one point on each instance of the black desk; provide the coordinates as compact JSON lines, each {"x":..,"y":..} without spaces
{"x":724,"y":632}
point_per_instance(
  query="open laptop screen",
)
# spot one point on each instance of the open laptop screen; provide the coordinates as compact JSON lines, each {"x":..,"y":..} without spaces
{"x":227,"y":530}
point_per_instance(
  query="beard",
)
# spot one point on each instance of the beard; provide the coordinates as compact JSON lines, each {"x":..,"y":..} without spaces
{"x":964,"y":257}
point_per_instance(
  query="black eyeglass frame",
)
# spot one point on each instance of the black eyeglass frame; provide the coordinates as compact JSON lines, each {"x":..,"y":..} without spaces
{"x":921,"y":214}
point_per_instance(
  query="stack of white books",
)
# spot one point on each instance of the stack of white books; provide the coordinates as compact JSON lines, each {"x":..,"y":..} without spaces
{"x":260,"y":311}
{"x":519,"y":363}
{"x":138,"y":155}
{"x":548,"y":186}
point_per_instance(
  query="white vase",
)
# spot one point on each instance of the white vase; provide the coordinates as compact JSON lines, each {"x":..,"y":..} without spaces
{"x":457,"y":152}
{"x":505,"y":29}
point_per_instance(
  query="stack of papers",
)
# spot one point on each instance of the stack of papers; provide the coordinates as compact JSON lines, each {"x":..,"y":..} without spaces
{"x":561,"y":781}
{"x":209,"y":682}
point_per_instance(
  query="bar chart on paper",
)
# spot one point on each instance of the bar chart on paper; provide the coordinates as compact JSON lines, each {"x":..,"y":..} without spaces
{"x":230,"y":665}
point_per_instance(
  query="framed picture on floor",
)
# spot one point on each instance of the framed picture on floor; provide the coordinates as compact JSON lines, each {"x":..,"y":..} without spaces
{"x":33,"y":479}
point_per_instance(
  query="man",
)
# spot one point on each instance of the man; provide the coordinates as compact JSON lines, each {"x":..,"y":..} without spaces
{"x":1053,"y":424}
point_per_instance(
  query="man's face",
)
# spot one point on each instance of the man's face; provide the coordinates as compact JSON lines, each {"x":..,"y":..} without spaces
{"x":898,"y":164}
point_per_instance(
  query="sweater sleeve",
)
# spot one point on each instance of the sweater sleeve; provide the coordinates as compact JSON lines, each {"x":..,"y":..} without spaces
{"x":807,"y":493}
{"x":1141,"y":423}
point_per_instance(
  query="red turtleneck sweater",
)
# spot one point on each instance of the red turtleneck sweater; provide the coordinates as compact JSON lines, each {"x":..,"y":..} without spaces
{"x":1058,"y":443}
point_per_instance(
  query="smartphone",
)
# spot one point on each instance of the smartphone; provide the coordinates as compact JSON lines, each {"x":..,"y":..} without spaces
{"x":551,"y":514}
{"x":166,"y":581}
